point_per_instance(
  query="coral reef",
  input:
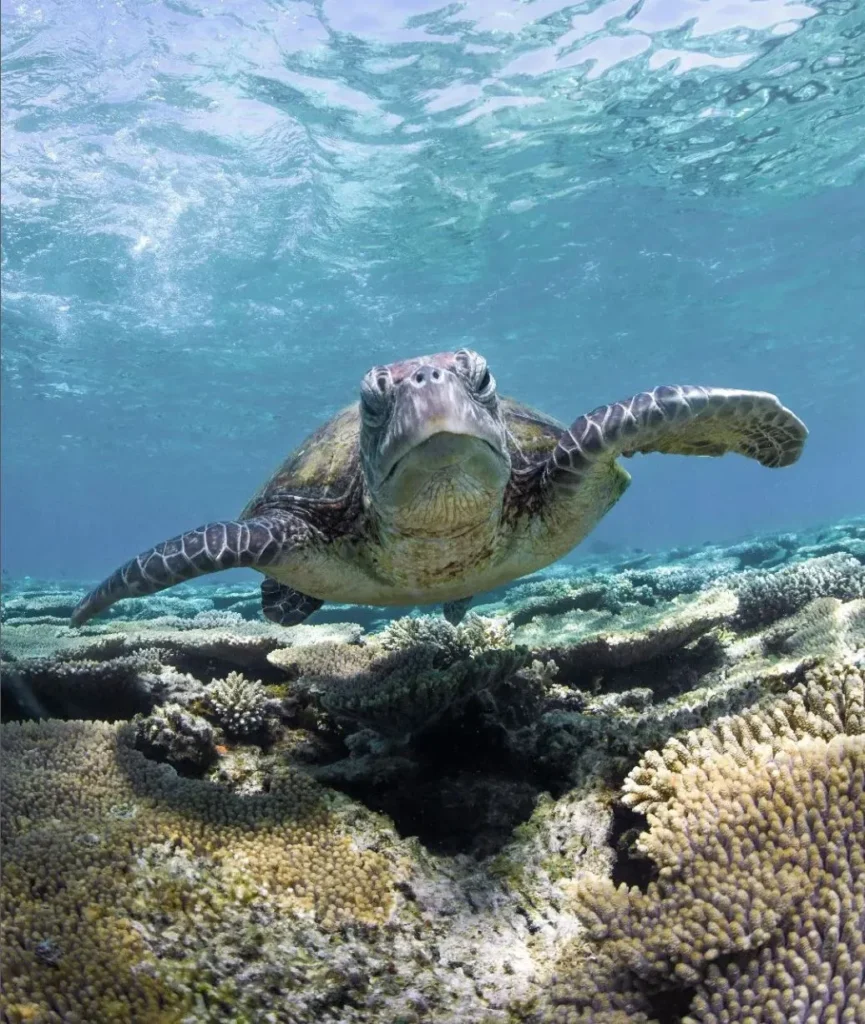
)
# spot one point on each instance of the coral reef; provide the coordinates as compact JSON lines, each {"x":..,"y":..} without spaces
{"x":757,"y":835}
{"x":636,"y":634}
{"x":474,"y":635}
{"x":238,"y":704}
{"x":624,"y":790}
{"x":171,"y":733}
{"x":767,"y":596}
{"x":110,"y":862}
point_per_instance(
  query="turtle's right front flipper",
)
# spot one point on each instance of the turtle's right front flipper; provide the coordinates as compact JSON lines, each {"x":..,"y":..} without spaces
{"x":253,"y":543}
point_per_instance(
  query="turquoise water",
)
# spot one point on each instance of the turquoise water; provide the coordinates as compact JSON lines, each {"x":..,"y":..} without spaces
{"x":218,"y":217}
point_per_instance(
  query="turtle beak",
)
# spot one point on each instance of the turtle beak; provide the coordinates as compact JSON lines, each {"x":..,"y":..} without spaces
{"x":434,"y":416}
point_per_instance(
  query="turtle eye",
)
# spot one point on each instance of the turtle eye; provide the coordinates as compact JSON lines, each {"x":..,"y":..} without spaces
{"x":375,"y":394}
{"x":485,"y":380}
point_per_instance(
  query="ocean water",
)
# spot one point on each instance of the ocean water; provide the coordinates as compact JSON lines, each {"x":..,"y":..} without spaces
{"x":217,"y":217}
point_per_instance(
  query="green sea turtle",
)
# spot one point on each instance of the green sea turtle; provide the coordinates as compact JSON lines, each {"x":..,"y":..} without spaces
{"x":434,"y":487}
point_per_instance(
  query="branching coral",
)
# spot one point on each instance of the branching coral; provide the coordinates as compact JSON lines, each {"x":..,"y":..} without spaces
{"x":109,"y":861}
{"x":410,"y":689}
{"x":473,"y":636}
{"x":240,"y":705}
{"x":331,"y":659}
{"x":765,"y":597}
{"x":757,"y":833}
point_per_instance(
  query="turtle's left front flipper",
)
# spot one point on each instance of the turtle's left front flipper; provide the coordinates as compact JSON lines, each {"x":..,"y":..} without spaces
{"x":684,"y":420}
{"x":255,"y":543}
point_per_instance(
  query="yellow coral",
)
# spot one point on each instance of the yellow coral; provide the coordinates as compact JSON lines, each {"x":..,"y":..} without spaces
{"x":103,"y":849}
{"x":829,"y":702}
{"x":757,"y":832}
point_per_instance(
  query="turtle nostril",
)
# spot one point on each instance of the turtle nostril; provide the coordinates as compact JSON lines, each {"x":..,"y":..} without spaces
{"x":436,"y":374}
{"x":419,"y":377}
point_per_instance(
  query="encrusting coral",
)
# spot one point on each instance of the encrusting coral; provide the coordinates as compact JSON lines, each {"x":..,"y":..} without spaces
{"x":105,"y":852}
{"x":757,"y":835}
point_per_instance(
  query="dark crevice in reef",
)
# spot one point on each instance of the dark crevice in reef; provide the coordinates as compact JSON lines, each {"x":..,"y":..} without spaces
{"x":630,"y":866}
{"x":459,"y":788}
{"x":667,"y":675}
{"x":24,"y":696}
{"x":671,"y":1007}
{"x":466,"y":812}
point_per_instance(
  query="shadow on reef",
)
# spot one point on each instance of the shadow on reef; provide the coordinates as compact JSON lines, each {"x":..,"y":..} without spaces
{"x":336,"y":825}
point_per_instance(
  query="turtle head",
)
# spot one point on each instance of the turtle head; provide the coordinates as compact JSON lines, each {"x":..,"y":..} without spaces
{"x":433,"y":442}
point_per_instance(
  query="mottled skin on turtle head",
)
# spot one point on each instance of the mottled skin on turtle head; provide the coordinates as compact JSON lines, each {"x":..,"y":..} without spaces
{"x":433,"y":487}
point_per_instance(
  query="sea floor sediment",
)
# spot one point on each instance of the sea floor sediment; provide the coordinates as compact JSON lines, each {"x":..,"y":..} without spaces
{"x":624,"y":790}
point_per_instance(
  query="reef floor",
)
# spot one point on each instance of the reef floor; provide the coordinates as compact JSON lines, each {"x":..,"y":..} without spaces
{"x":631,"y":789}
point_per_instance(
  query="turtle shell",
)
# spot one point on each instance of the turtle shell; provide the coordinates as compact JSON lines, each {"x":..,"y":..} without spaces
{"x":323,"y":468}
{"x":327,"y":465}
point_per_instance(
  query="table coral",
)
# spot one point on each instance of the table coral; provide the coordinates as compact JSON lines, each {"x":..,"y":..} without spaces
{"x":765,"y":597}
{"x":586,"y":642}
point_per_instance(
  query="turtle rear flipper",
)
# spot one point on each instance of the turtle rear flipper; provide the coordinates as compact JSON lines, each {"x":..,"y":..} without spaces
{"x":286,"y":606}
{"x":455,"y":611}
{"x":685,"y":420}
{"x":253,"y":543}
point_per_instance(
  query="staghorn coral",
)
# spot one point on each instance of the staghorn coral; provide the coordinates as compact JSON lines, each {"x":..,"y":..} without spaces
{"x":117,"y":875}
{"x":238,"y":704}
{"x":765,"y":597}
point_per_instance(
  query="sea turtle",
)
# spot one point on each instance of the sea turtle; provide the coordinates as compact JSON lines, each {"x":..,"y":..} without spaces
{"x":434,"y":487}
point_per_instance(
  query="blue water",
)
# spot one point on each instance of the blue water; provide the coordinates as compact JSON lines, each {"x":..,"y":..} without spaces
{"x":218,"y":216}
